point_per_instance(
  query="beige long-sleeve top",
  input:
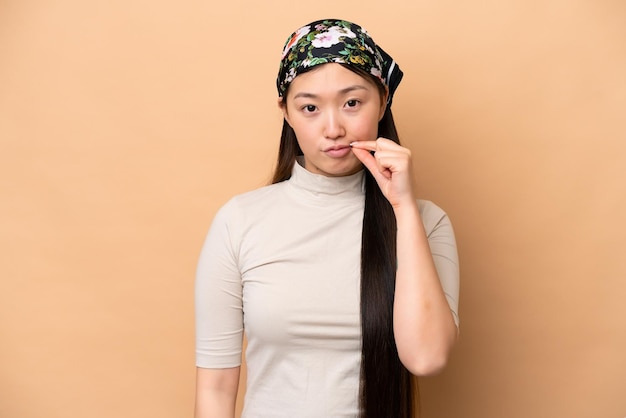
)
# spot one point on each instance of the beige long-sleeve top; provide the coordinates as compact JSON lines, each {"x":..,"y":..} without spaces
{"x":283,"y":263}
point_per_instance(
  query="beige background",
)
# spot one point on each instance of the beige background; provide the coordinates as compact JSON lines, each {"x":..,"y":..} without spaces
{"x":125,"y":124}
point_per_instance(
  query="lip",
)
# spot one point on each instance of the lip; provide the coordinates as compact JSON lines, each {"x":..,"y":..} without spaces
{"x":337,"y":151}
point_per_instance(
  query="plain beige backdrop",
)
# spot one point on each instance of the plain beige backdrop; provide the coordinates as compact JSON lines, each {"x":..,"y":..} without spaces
{"x":125,"y":124}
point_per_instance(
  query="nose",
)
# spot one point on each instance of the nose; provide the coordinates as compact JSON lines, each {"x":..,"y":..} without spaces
{"x":333,"y":128}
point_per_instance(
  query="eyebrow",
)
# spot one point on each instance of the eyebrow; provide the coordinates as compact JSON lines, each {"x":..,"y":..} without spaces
{"x":342,"y":92}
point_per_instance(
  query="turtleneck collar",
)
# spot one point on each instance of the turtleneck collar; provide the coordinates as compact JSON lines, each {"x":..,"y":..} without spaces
{"x":320,"y":186}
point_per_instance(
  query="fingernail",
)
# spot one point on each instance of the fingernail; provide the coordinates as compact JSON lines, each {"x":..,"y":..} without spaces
{"x":351,"y":143}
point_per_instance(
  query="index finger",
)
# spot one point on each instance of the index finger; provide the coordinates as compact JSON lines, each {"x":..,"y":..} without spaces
{"x":368,"y":145}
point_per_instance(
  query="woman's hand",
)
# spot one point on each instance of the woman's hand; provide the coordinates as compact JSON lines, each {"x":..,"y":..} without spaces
{"x":391,"y":167}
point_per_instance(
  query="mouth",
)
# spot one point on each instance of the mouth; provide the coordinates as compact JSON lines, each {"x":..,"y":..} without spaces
{"x":336,"y":147}
{"x":337,"y":151}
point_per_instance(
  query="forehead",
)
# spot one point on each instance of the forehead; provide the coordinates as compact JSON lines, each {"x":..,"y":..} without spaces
{"x":329,"y":78}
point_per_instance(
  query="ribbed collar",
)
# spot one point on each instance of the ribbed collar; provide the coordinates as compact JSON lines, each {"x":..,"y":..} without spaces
{"x":320,"y":187}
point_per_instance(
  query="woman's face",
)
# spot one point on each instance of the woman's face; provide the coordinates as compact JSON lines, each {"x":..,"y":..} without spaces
{"x":329,"y":107}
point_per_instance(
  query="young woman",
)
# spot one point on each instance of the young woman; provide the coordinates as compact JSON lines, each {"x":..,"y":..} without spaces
{"x":344,"y":284}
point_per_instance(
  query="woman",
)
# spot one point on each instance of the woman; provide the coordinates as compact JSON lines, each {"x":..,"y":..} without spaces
{"x":344,"y":283}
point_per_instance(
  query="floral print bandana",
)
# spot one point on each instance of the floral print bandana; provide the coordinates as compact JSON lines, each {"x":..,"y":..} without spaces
{"x":340,"y":41}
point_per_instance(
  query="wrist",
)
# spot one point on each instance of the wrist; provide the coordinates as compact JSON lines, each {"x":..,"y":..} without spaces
{"x":406,"y":207}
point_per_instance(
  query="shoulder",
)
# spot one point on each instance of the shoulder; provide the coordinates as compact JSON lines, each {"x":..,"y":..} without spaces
{"x":432,"y":215}
{"x":253,"y":199}
{"x":260,"y":194}
{"x":241,"y":211}
{"x":249,"y":206}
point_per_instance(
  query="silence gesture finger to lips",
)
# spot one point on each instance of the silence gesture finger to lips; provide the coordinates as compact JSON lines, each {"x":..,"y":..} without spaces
{"x":391,"y":167}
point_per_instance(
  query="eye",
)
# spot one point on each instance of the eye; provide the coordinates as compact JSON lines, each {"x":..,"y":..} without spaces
{"x":352,"y":103}
{"x":309,"y":108}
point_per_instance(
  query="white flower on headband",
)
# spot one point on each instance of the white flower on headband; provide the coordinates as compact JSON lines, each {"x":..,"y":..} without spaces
{"x":290,"y":76}
{"x":331,"y":37}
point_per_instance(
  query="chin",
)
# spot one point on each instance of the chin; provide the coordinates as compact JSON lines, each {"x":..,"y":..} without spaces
{"x":344,"y":171}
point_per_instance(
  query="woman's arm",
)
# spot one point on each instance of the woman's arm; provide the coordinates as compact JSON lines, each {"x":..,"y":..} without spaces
{"x":216,"y":392}
{"x":423,"y":323}
{"x":424,"y":326}
{"x":219,"y":318}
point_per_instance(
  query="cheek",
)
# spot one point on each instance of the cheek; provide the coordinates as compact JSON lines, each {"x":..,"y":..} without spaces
{"x":366,"y":129}
{"x":305,"y":136}
{"x":304,"y":133}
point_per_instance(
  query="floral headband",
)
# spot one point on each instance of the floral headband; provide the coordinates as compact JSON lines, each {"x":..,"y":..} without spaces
{"x":340,"y":41}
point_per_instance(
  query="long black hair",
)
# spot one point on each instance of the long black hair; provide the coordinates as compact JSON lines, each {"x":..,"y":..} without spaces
{"x":386,"y":389}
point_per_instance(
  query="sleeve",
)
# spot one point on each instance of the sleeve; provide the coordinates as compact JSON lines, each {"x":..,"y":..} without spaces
{"x":443,"y":248}
{"x":218,"y":296}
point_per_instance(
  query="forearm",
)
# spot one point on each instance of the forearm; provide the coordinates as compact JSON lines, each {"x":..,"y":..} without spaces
{"x":424,"y":326}
{"x":216,"y":392}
